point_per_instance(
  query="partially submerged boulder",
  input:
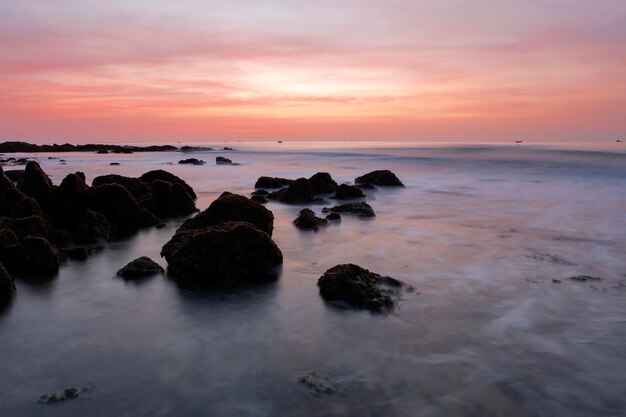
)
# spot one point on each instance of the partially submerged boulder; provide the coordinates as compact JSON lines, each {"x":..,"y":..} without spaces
{"x":360,"y":288}
{"x":33,"y":256}
{"x":162,"y":175}
{"x":298,"y":192}
{"x":140,"y":268}
{"x":347,"y":192}
{"x":272,"y":182}
{"x":191,"y":161}
{"x":220,"y":160}
{"x":225,"y":254}
{"x":360,"y":209}
{"x":35,"y":183}
{"x":322,"y":183}
{"x":307,"y":220}
{"x":232,"y":207}
{"x":380,"y":177}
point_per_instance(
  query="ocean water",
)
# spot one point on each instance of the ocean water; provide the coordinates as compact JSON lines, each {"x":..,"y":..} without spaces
{"x":481,"y":232}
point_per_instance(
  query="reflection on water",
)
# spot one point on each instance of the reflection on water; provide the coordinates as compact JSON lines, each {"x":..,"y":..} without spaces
{"x":488,"y":331}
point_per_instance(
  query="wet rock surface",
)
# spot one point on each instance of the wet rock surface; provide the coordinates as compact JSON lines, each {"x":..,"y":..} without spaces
{"x":322,"y":183}
{"x":140,"y":268}
{"x":232,"y":207}
{"x":360,"y":209}
{"x":360,"y":288}
{"x":191,"y":161}
{"x":298,"y":192}
{"x":272,"y":182}
{"x":347,"y":192}
{"x":307,"y":220}
{"x":380,"y":177}
{"x":226,"y":254}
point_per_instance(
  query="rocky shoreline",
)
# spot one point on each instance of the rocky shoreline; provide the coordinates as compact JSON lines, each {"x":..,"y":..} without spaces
{"x":25,"y":147}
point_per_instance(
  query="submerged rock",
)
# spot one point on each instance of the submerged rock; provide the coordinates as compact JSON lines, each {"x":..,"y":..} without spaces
{"x":307,"y":220}
{"x":191,"y":161}
{"x":162,"y":175}
{"x":33,"y":256}
{"x":259,"y":199}
{"x":381,"y":177}
{"x":359,"y":287}
{"x":225,"y":254}
{"x":334,"y":217}
{"x":298,"y":192}
{"x":360,"y":209}
{"x":139,"y":268}
{"x":272,"y":182}
{"x":232,"y":207}
{"x":220,"y":160}
{"x":347,"y":192}
{"x":66,"y":394}
{"x":322,"y":183}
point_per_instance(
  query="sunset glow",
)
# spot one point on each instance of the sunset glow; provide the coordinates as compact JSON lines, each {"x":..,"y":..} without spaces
{"x":399,"y":70}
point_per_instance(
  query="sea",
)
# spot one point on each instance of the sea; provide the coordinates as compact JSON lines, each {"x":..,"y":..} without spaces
{"x":517,"y":254}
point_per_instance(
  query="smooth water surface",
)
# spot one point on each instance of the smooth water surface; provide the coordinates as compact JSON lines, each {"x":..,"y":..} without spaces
{"x":480,"y":232}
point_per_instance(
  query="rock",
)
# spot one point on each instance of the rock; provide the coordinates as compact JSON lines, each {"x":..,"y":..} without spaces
{"x":333,"y":216}
{"x":359,"y":287}
{"x":583,"y":278}
{"x":191,"y":161}
{"x":26,"y":207}
{"x":307,"y":220}
{"x":232,"y":207}
{"x":259,"y":192}
{"x":259,"y":199}
{"x":66,"y":394}
{"x":114,"y":163}
{"x":14,"y":174}
{"x":227,"y":148}
{"x":318,"y":384}
{"x":169,"y":199}
{"x":159,"y":174}
{"x":120,"y":208}
{"x":136,"y":187}
{"x":139,"y":268}
{"x":26,"y":226}
{"x":34,"y":256}
{"x":347,"y":192}
{"x":382,"y":177}
{"x":322,"y":183}
{"x":272,"y":182}
{"x":35,"y":183}
{"x":7,"y":237}
{"x":361,"y":209}
{"x":92,"y":228}
{"x":226,"y":254}
{"x":298,"y":192}
{"x":78,"y":253}
{"x":220,"y":160}
{"x":7,"y":286}
{"x":102,"y":151}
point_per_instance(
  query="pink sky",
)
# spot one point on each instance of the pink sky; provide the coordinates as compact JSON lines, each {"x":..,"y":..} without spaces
{"x":162,"y":71}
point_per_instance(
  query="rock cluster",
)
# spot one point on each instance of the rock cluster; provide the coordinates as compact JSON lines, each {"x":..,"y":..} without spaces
{"x":42,"y":223}
{"x":307,"y":220}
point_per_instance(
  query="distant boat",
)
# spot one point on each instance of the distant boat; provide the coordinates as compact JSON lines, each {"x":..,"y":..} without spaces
{"x":280,"y":141}
{"x":618,"y":141}
{"x":519,"y":141}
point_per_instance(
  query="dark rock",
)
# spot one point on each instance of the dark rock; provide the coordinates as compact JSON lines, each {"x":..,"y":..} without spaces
{"x":232,"y":207}
{"x":226,"y":254}
{"x":78,"y":253}
{"x":322,"y":183}
{"x":259,"y":192}
{"x":66,"y":394}
{"x":120,"y":208}
{"x":92,"y":228}
{"x":365,"y":186}
{"x":114,"y":163}
{"x":35,"y":183}
{"x":272,"y":182}
{"x":226,"y":148}
{"x":159,"y":174}
{"x":298,"y":192}
{"x":346,"y":192}
{"x":361,"y":209}
{"x":259,"y":199}
{"x":34,"y":256}
{"x":191,"y":161}
{"x":139,"y":268}
{"x":359,"y":287}
{"x":102,"y":151}
{"x":220,"y":160}
{"x":26,"y":207}
{"x":382,"y":177}
{"x":136,"y":186}
{"x":14,"y":174}
{"x":7,"y":285}
{"x":307,"y":220}
{"x":7,"y":237}
{"x":333,"y":216}
{"x":583,"y":278}
{"x":319,"y":384}
{"x":169,"y":199}
{"x":26,"y":226}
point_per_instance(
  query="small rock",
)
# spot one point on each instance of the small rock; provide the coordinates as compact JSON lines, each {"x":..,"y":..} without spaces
{"x":583,"y":278}
{"x":139,"y":268}
{"x":272,"y":182}
{"x":361,"y":209}
{"x":318,"y":384}
{"x":220,"y":160}
{"x":381,"y":177}
{"x":66,"y":394}
{"x":191,"y":161}
{"x":347,"y":192}
{"x":333,"y":216}
{"x":307,"y":220}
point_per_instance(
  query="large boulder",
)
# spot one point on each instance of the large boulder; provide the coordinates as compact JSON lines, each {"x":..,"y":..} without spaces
{"x":169,"y":199}
{"x":137,"y":187}
{"x":232,"y":207}
{"x":7,"y":285}
{"x":7,"y":237}
{"x":359,"y":287}
{"x":226,"y":254}
{"x":92,"y":228}
{"x":159,"y":174}
{"x":191,"y":161}
{"x":380,"y":177}
{"x":347,"y":192}
{"x":26,"y":226}
{"x":120,"y":208}
{"x":33,"y":256}
{"x":220,"y":160}
{"x":322,"y":183}
{"x":272,"y":182}
{"x":307,"y":220}
{"x":140,"y":268}
{"x":360,"y":209}
{"x":35,"y":183}
{"x":298,"y":192}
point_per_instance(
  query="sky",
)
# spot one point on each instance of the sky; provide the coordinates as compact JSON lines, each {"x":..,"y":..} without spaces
{"x":192,"y":70}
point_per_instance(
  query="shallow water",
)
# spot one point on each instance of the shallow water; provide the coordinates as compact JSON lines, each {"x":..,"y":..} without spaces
{"x":481,"y":232}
